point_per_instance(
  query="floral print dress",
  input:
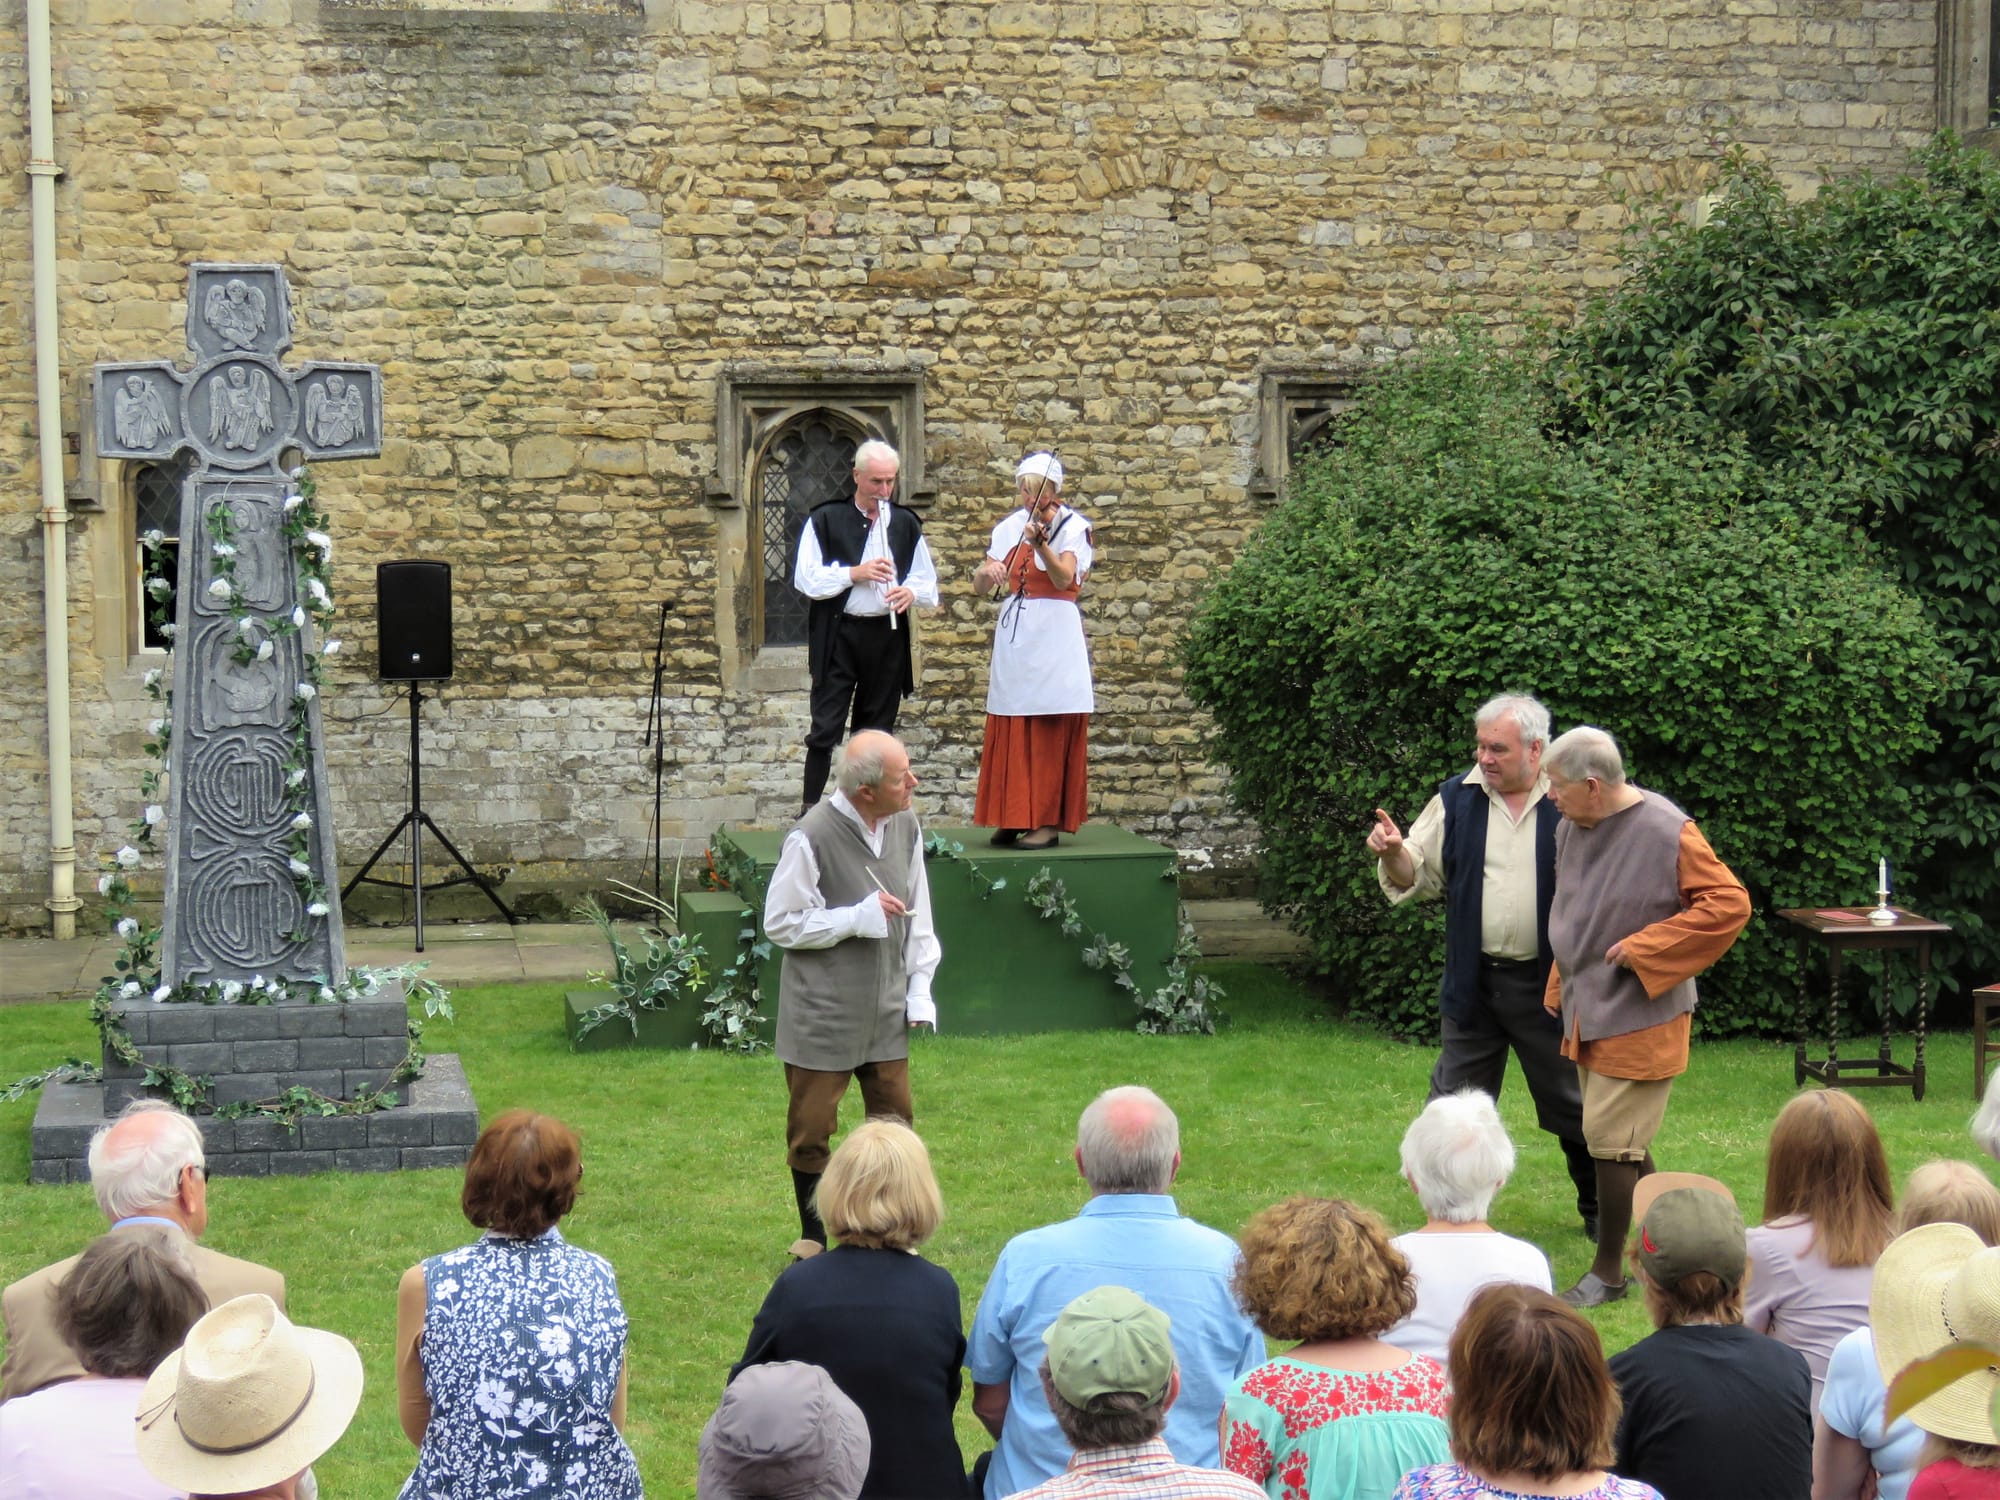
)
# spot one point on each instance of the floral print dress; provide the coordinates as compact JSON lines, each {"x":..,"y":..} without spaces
{"x":522,"y":1346}
{"x":1306,"y":1432}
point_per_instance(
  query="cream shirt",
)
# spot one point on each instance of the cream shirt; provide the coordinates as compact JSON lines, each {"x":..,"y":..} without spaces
{"x":1507,"y":926}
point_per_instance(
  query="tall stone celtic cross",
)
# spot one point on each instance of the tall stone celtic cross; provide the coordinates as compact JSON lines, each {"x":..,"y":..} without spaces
{"x":247,"y":757}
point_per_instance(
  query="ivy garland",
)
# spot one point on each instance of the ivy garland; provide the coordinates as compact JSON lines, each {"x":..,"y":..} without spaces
{"x":1183,"y":1006}
{"x":137,"y":972}
{"x":735,"y":1012}
{"x":662,"y":974}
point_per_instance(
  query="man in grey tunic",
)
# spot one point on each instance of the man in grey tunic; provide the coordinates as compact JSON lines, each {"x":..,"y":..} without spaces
{"x":1642,"y":905}
{"x":850,"y":905}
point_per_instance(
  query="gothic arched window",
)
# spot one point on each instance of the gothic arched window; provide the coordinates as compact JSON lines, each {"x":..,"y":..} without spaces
{"x":809,"y":461}
{"x":156,"y":506}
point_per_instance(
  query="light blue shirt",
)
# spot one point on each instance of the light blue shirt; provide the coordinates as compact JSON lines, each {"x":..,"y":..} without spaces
{"x":1133,"y":1240}
{"x":1853,"y":1404}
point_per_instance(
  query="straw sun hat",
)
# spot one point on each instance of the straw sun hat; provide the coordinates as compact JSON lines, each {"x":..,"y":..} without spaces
{"x":248,"y":1400}
{"x":1937,"y":1285}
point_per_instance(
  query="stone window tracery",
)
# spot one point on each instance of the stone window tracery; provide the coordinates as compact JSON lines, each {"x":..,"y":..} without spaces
{"x":1969,"y":70}
{"x":156,"y":506}
{"x":1298,"y":413}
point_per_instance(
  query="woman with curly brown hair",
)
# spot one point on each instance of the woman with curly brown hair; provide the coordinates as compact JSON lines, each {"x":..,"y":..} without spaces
{"x":1342,"y":1415}
{"x":1828,"y":1207}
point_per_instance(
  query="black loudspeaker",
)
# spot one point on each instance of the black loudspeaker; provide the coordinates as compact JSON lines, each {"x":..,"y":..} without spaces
{"x":413,"y":618}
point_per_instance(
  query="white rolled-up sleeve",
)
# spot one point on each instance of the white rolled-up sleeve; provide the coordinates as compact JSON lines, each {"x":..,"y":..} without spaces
{"x":921,"y":951}
{"x":796,"y":914}
{"x":812,"y":575}
{"x":923,"y":579}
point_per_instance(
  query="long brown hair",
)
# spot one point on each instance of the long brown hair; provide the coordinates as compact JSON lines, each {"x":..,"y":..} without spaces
{"x":1826,"y":1165}
{"x":1531,"y":1393}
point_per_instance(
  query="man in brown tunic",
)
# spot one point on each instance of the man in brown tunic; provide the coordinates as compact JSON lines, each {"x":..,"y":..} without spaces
{"x":1642,"y":905}
{"x":850,"y":905}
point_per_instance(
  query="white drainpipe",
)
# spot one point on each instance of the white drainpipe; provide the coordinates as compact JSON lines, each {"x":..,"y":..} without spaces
{"x":42,"y":174}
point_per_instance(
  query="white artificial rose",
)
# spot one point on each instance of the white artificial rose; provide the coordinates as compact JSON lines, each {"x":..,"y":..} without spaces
{"x":128,"y":928}
{"x":129,"y":857}
{"x":155,"y":814}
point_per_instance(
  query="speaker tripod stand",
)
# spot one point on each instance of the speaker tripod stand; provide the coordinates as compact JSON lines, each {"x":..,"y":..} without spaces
{"x":415,"y":821}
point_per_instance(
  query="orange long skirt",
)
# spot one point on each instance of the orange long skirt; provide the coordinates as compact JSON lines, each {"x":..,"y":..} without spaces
{"x":1031,"y":773}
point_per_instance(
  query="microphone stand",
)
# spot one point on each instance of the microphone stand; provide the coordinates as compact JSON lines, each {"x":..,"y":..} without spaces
{"x":656,"y":725}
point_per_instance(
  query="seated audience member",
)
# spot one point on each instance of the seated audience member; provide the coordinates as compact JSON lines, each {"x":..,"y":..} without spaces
{"x":247,"y":1404}
{"x":881,"y":1320}
{"x":148,"y":1172}
{"x":1985,"y":1124}
{"x":124,"y":1306}
{"x":1827,"y":1212}
{"x":1937,"y":1285}
{"x":784,"y":1431}
{"x":1129,"y":1234}
{"x":1855,"y":1457}
{"x":1341,"y":1414}
{"x":1533,"y":1406}
{"x":510,"y":1351}
{"x":1713,"y":1411}
{"x":1456,"y":1156}
{"x":1109,"y":1377}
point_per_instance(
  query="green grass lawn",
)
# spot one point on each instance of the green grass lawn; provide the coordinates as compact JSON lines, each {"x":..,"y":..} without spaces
{"x":686,"y":1189}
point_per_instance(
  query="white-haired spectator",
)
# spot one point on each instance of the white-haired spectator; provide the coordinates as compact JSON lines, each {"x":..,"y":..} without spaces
{"x":1456,"y":1156}
{"x":150,"y":1175}
{"x":1985,"y":1124}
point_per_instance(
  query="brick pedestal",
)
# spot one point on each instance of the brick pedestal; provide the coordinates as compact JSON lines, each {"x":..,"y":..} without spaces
{"x":257,"y":1052}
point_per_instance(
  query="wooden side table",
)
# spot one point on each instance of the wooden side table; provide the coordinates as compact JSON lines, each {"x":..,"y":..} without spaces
{"x":1984,"y":999}
{"x":1843,"y":930}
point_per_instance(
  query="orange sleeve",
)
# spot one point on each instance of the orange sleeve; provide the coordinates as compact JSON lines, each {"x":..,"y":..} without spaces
{"x":1714,"y":908}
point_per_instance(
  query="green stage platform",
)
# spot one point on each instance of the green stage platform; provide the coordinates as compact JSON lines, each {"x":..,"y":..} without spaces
{"x":1006,"y":969}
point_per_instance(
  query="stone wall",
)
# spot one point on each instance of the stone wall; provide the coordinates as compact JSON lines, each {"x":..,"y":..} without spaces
{"x":557,"y":226}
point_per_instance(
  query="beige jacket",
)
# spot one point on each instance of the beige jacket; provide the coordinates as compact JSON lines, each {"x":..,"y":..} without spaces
{"x":36,"y":1354}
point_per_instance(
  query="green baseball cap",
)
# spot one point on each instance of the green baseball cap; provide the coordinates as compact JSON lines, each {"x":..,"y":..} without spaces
{"x":1688,"y":1223}
{"x":1109,"y":1340}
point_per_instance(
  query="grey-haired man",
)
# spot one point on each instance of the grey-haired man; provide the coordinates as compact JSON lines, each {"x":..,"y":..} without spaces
{"x":1486,"y":843}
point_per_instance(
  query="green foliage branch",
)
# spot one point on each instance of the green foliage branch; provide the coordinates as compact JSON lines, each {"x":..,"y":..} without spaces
{"x":1857,"y":328}
{"x":1723,"y":615}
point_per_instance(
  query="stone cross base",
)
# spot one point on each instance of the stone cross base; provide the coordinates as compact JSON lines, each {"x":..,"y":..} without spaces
{"x":258,"y":1051}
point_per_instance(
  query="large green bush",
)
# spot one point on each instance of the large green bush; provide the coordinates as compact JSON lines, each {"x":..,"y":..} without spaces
{"x":1724,"y":617}
{"x":1859,"y":327}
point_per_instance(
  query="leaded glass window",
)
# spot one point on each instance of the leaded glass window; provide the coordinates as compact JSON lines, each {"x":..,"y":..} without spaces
{"x":809,"y":462}
{"x":156,"y":506}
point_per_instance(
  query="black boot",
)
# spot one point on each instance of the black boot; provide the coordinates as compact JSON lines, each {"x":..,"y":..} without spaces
{"x":812,"y":1233}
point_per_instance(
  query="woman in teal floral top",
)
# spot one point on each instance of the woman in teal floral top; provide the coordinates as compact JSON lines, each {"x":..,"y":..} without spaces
{"x":1342,"y":1416}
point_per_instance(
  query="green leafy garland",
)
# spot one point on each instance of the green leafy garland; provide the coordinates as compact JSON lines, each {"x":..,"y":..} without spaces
{"x":1183,"y":1006}
{"x":136,"y":972}
{"x":735,"y":1005}
{"x":654,"y":980}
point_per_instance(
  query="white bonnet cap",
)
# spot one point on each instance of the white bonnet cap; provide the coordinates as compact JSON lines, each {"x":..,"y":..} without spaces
{"x":1040,"y":466}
